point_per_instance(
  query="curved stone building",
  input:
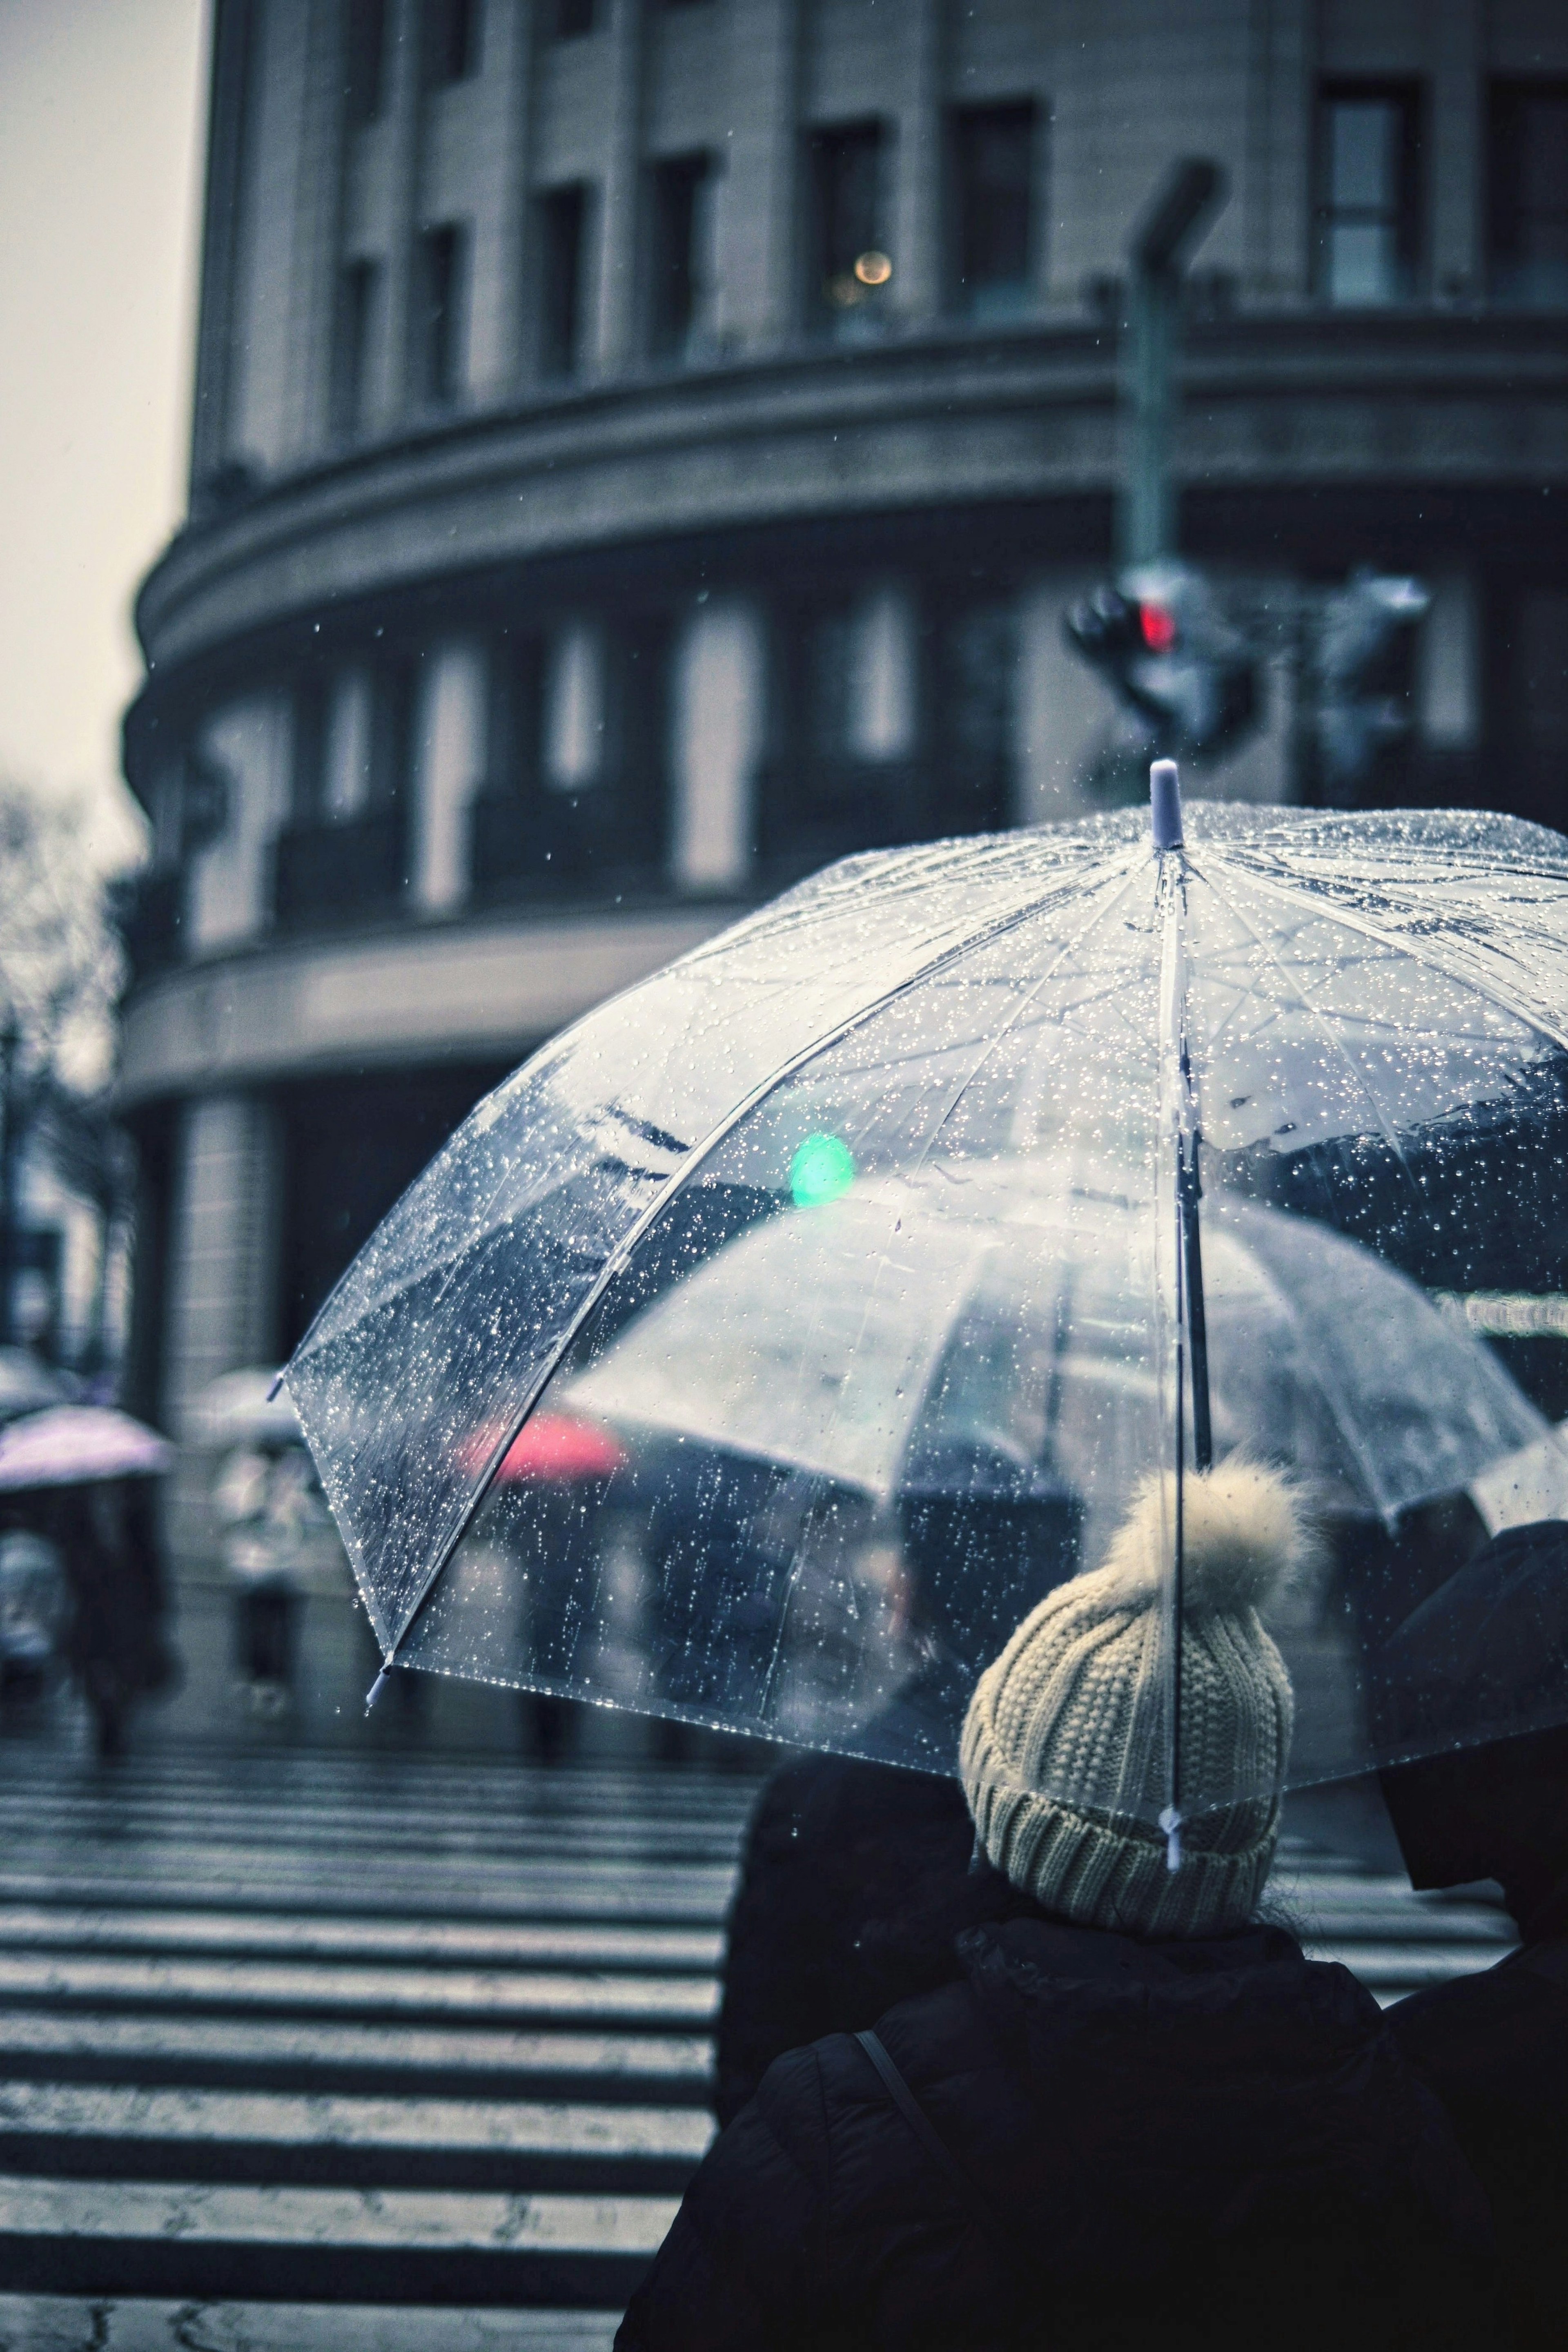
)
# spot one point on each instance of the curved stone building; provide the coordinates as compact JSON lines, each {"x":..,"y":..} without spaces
{"x":643,"y":449}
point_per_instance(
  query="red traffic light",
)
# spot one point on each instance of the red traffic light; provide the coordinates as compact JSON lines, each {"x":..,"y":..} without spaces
{"x":1156,"y":624}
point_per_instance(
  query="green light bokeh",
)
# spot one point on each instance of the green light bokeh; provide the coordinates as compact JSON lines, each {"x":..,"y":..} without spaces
{"x":822,"y":1170}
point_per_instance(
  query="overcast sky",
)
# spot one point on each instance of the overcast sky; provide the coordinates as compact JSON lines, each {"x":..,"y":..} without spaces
{"x":100,"y":136}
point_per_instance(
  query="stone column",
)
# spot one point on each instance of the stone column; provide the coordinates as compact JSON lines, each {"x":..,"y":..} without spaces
{"x":1061,"y":708}
{"x":404,"y":110}
{"x":318,"y":236}
{"x":758,"y":279}
{"x":1454,"y":149}
{"x":916,"y":206}
{"x":1448,"y":667}
{"x":496,"y":303}
{"x":718,"y":717}
{"x":449,"y":764}
{"x":223,"y":1278}
{"x":618,"y":207}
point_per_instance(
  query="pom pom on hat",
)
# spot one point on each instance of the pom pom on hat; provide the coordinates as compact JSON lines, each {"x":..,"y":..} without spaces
{"x":1244,"y":1538}
{"x":1065,"y":1753}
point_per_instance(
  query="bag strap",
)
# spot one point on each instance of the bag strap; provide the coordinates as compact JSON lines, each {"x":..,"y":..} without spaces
{"x":937,"y":2149}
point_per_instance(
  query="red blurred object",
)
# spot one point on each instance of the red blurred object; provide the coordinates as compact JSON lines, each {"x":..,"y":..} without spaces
{"x":1158,"y":626}
{"x":553,"y":1448}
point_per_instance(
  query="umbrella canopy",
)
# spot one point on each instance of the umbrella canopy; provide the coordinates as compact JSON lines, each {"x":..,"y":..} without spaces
{"x":26,"y":1384}
{"x":1141,"y":1152}
{"x":78,"y":1444}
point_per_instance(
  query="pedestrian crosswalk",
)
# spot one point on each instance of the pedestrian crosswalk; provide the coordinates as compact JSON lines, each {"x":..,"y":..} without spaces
{"x":369,"y":2052}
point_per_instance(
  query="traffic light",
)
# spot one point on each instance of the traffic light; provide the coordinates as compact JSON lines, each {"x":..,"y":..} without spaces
{"x":1169,"y":654}
{"x":1358,"y":679}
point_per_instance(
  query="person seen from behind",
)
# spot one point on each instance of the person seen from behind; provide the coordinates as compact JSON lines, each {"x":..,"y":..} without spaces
{"x":1134,"y":2112}
{"x":1493,"y":1646}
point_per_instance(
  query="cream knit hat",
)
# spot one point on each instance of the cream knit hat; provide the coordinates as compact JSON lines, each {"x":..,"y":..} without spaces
{"x":1064,"y":1757}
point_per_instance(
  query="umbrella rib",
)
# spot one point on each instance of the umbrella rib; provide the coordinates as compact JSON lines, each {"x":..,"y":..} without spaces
{"x":617,"y":1257}
{"x":961,"y":1088}
{"x":1460,"y":969}
{"x":1324,"y":1020}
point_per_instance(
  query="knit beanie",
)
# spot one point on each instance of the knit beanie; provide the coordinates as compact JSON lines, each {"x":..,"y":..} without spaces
{"x":1065,"y":1756}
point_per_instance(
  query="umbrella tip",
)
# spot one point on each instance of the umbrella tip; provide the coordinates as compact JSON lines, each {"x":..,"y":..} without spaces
{"x":272,"y":1392}
{"x":1164,"y":804}
{"x":375,"y":1689}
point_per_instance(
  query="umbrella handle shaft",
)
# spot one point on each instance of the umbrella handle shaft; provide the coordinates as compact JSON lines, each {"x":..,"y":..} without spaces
{"x":1196,"y":1320}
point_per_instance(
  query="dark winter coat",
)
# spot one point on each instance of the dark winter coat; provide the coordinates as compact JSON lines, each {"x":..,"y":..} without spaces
{"x":852,"y":1889}
{"x":1495,"y":2048}
{"x":1193,"y":2145}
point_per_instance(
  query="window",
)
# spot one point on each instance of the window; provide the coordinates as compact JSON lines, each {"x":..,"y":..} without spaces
{"x":1370,"y":195}
{"x":354,"y":329}
{"x":680,"y":273}
{"x":1528,"y":212}
{"x":449,"y":41}
{"x":569,"y":17}
{"x":850,"y":268}
{"x":364,"y":61}
{"x":992,"y":180}
{"x":562,"y":224}
{"x":439,"y":319}
{"x":309,"y":764}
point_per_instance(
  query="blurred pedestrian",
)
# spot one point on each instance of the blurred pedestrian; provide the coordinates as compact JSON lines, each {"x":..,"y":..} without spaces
{"x":105,"y":1535}
{"x":1495,"y":2045}
{"x":269,"y":1510}
{"x":856,"y":1875}
{"x":1134,"y":2112}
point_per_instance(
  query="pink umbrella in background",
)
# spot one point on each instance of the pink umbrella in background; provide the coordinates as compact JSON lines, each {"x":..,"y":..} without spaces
{"x":78,"y":1444}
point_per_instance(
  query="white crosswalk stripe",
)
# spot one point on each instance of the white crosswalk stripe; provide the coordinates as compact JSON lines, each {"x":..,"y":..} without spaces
{"x":423,"y":2045}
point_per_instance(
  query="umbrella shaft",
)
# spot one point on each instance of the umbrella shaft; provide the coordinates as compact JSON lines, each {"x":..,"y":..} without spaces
{"x":1197,"y":1323}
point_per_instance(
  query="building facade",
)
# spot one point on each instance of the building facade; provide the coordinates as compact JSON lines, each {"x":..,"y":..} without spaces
{"x":644,"y":448}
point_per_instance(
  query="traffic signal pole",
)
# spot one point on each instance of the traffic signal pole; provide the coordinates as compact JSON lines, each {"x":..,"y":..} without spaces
{"x":1176,"y":223}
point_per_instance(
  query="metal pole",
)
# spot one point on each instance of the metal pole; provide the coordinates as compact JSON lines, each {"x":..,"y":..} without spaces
{"x":1180,"y":214}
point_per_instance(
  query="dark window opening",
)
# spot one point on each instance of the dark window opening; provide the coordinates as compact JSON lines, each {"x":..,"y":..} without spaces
{"x":308,"y":766}
{"x":328,"y":870}
{"x":993,"y":190}
{"x":679,"y":262}
{"x":449,"y":43}
{"x":365,"y":62}
{"x":1369,"y":193}
{"x":562,"y":224}
{"x":439,"y":324}
{"x":1528,"y":208}
{"x":351,"y":1148}
{"x":569,"y":17}
{"x":354,"y":329}
{"x":535,"y":837}
{"x":850,"y":268}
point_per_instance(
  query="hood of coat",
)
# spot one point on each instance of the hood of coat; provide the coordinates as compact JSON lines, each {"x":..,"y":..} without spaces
{"x":1214,"y":2084}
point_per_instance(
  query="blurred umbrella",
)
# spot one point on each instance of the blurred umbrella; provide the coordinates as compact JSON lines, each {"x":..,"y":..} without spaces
{"x":26,"y":1385}
{"x":1017,"y":1306}
{"x":1358,"y":1021}
{"x":78,"y":1444}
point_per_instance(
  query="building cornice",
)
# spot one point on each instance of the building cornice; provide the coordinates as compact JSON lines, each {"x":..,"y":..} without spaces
{"x":1300,"y":399}
{"x":481,"y":990}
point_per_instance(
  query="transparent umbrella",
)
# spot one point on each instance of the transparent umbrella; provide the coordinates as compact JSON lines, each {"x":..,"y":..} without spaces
{"x":1031,"y":1167}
